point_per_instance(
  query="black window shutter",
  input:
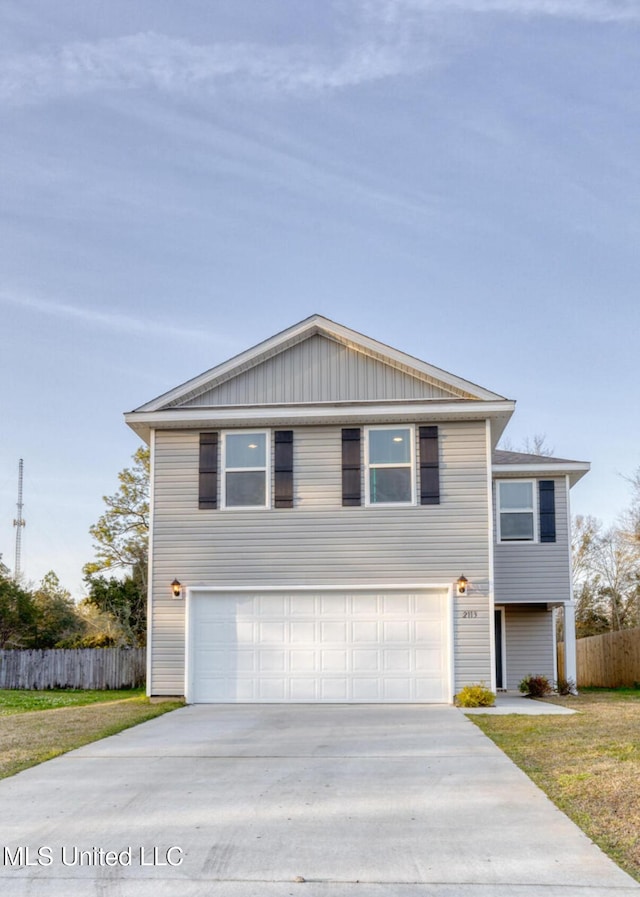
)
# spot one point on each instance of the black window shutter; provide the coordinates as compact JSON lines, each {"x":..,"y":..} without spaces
{"x":208,"y":484}
{"x":429,"y":466}
{"x":283,"y":469}
{"x":351,"y":492}
{"x":546,"y":491}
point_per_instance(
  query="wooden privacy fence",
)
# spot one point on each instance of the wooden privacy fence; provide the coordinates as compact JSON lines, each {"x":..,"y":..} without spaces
{"x":611,"y":660}
{"x":73,"y":668}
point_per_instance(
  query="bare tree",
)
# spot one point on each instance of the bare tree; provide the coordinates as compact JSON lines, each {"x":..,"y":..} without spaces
{"x":530,"y":445}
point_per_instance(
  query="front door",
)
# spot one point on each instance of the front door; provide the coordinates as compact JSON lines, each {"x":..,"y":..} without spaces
{"x":499,"y":642}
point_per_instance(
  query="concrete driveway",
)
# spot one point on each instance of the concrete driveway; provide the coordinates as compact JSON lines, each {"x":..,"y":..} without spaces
{"x":246,"y":801}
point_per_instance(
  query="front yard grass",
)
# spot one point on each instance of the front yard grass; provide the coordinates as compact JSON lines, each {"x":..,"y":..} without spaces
{"x":29,"y":735}
{"x":587,"y":763}
{"x":15,"y":700}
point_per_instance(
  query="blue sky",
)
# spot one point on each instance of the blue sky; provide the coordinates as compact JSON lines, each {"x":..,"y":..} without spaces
{"x":178,"y":181}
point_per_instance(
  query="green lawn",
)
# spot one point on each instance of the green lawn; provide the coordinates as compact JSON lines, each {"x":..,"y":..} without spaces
{"x":20,"y":701}
{"x":588,"y":763}
{"x":38,"y":725}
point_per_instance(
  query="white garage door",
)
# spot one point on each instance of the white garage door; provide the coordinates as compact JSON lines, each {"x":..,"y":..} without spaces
{"x":383,"y":646}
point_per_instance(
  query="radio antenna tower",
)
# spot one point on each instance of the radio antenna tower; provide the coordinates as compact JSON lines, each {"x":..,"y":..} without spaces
{"x":19,"y":524}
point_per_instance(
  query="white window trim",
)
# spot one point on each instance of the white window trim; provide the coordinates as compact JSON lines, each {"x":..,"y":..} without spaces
{"x":224,"y":470}
{"x":411,"y":464}
{"x":536,"y":528}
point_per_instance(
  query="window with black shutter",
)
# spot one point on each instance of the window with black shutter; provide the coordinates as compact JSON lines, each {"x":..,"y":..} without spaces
{"x":429,"y":466}
{"x":547,"y":498}
{"x":208,"y":479}
{"x":351,"y":465}
{"x":283,"y":469}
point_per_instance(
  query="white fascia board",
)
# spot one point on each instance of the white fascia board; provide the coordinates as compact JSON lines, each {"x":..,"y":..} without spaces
{"x":331,"y":413}
{"x":575,"y":470}
{"x":316,"y":324}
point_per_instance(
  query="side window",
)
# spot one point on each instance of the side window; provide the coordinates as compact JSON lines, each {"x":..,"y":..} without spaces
{"x":516,"y":511}
{"x":245,"y":469}
{"x":390,"y":466}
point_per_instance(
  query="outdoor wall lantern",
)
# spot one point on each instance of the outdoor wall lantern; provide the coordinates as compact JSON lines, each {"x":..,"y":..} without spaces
{"x":176,"y":588}
{"x":462,"y":584}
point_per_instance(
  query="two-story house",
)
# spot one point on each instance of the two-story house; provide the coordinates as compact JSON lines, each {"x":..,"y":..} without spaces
{"x":331,"y":521}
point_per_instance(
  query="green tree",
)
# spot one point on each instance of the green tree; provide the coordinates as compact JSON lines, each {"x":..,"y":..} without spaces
{"x":18,"y":612}
{"x":123,"y":602}
{"x":57,"y":619}
{"x":121,"y":535}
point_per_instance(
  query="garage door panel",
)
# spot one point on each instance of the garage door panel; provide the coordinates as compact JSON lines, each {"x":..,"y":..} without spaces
{"x":428,"y":632}
{"x":365,"y":632}
{"x":364,"y":604}
{"x":272,"y":632}
{"x":428,"y":690}
{"x":332,"y":661}
{"x":271,"y":689}
{"x":366,"y":689}
{"x":396,"y":660}
{"x":301,"y":632}
{"x":318,"y":647}
{"x":272,"y":605}
{"x":396,"y":689}
{"x":395,"y":631}
{"x":333,"y":632}
{"x":334,"y":690}
{"x":303,"y":661}
{"x":306,"y":607}
{"x":333,"y":605}
{"x":366,"y":661}
{"x":397,"y":604}
{"x":272,"y":661}
{"x":245,"y":661}
{"x":245,"y":632}
{"x":430,"y":660}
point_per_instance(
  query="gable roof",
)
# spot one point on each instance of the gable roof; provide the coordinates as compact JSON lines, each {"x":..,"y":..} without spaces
{"x":320,"y":372}
{"x":526,"y":464}
{"x":201,"y":390}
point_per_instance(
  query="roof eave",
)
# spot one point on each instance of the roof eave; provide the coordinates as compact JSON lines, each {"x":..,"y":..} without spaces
{"x":575,"y":470}
{"x":143,"y":421}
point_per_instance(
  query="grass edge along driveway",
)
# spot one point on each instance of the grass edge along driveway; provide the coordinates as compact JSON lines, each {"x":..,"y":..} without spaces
{"x":587,"y":763}
{"x":31,"y":736}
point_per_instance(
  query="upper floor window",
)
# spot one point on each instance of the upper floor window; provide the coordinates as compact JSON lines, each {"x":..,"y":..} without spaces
{"x":390,"y":466}
{"x":516,"y":511}
{"x":245,"y":469}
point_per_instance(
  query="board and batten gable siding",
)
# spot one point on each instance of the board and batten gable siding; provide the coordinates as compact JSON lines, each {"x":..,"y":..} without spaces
{"x":319,"y":370}
{"x":318,"y":542}
{"x":535,"y":571}
{"x":529,"y":643}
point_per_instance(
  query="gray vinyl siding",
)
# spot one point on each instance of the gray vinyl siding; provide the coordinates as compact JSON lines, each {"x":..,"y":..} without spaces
{"x":529,"y":643}
{"x":318,"y":542}
{"x":534,"y":571}
{"x":320,"y":370}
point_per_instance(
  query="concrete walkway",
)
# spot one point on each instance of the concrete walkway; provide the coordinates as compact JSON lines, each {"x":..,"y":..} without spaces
{"x":241,"y":801}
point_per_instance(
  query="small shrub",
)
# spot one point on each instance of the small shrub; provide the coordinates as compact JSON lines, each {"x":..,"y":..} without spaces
{"x":475,"y":696}
{"x":566,"y":687}
{"x":535,"y":686}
